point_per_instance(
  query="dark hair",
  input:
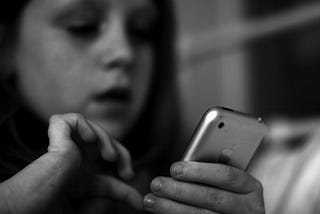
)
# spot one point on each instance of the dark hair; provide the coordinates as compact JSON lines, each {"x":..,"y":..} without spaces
{"x":10,"y":12}
{"x":157,"y":131}
{"x":157,"y":125}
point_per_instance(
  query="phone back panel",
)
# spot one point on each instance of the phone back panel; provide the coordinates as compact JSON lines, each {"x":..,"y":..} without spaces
{"x":225,"y":131}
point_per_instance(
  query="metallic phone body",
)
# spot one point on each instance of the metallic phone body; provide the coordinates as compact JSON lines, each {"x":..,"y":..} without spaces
{"x":222,"y":132}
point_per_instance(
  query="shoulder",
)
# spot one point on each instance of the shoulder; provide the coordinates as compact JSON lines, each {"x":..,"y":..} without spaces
{"x":305,"y":194}
{"x":290,"y":172}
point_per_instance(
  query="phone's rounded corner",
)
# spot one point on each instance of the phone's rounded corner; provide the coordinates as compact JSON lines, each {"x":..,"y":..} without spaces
{"x":214,"y":108}
{"x":211,"y":114}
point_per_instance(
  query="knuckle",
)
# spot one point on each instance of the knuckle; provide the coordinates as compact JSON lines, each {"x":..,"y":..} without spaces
{"x":218,"y":199}
{"x":56,"y":123}
{"x":255,"y":186}
{"x":231,"y":176}
{"x":212,"y":197}
{"x":75,"y":116}
{"x":258,"y":187}
{"x":167,"y":206}
{"x":54,"y":118}
{"x":177,"y":190}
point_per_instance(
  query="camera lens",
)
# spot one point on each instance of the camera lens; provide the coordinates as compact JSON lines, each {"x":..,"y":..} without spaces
{"x":221,"y":125}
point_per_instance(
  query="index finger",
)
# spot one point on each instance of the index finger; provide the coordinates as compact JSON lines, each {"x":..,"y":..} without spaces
{"x":121,"y":154}
{"x":218,"y":175}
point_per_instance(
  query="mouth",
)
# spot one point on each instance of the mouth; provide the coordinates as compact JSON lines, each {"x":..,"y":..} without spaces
{"x":113,"y":104}
{"x":121,"y":96}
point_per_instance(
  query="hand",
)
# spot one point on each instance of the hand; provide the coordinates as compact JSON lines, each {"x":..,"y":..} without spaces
{"x":91,"y":142}
{"x":205,"y":188}
{"x":74,"y":147}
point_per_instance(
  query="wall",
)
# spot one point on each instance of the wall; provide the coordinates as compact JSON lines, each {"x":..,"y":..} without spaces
{"x":211,"y":80}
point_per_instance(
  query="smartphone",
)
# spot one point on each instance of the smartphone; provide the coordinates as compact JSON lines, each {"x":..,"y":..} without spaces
{"x":226,"y":136}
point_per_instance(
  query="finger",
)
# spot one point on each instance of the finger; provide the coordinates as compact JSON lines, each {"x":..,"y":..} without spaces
{"x":90,"y":132}
{"x":62,"y":127}
{"x":106,"y":146}
{"x":59,"y":134}
{"x":124,"y":161}
{"x":160,"y":205}
{"x":110,"y":147}
{"x":217,"y":175}
{"x":196,"y":195}
{"x":69,"y":129}
{"x":108,"y":186}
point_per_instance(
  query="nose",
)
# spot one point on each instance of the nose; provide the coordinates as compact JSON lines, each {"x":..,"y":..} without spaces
{"x":115,"y":47}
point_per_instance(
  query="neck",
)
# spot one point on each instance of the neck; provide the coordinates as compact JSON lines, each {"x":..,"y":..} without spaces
{"x":31,"y":130}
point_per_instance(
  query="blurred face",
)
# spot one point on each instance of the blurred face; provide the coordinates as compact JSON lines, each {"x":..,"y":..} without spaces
{"x":93,"y":57}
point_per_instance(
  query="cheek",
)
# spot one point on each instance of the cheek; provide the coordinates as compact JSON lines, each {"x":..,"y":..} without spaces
{"x":51,"y":75}
{"x":141,"y":78}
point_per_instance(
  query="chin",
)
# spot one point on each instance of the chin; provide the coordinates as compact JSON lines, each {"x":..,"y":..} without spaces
{"x":117,"y":130}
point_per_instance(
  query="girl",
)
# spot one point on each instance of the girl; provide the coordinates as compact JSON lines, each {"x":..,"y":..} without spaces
{"x":95,"y":71}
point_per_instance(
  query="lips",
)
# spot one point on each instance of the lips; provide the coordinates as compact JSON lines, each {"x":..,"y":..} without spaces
{"x":115,"y":95}
{"x":113,"y":104}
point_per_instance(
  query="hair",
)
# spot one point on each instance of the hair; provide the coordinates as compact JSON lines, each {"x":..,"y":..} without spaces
{"x":11,"y":10}
{"x":10,"y":13}
{"x":158,"y":127}
{"x":155,"y":130}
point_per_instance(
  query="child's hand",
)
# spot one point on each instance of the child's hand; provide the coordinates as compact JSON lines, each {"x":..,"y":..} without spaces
{"x":205,"y":188}
{"x":45,"y":185}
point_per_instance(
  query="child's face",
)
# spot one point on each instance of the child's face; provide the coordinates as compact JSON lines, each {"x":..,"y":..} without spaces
{"x":93,"y":57}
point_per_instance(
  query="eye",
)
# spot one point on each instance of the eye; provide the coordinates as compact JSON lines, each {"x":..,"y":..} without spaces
{"x":83,"y":23}
{"x":79,"y":20}
{"x":84,"y":30}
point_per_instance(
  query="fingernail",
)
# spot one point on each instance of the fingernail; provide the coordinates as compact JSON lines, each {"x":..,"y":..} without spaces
{"x":178,"y":169}
{"x":149,"y":201}
{"x":156,"y":187}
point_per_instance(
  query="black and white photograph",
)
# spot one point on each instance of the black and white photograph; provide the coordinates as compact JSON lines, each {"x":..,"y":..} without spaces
{"x":159,"y":107}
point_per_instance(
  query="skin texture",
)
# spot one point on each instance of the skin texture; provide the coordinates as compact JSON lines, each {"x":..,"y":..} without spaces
{"x":71,"y":54}
{"x":192,"y":188}
{"x":205,"y":188}
{"x":44,"y":185}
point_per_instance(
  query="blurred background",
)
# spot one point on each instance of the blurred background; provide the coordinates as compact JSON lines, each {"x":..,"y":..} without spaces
{"x":260,"y":57}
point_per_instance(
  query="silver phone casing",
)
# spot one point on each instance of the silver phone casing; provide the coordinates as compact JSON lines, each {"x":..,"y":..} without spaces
{"x":240,"y":136}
